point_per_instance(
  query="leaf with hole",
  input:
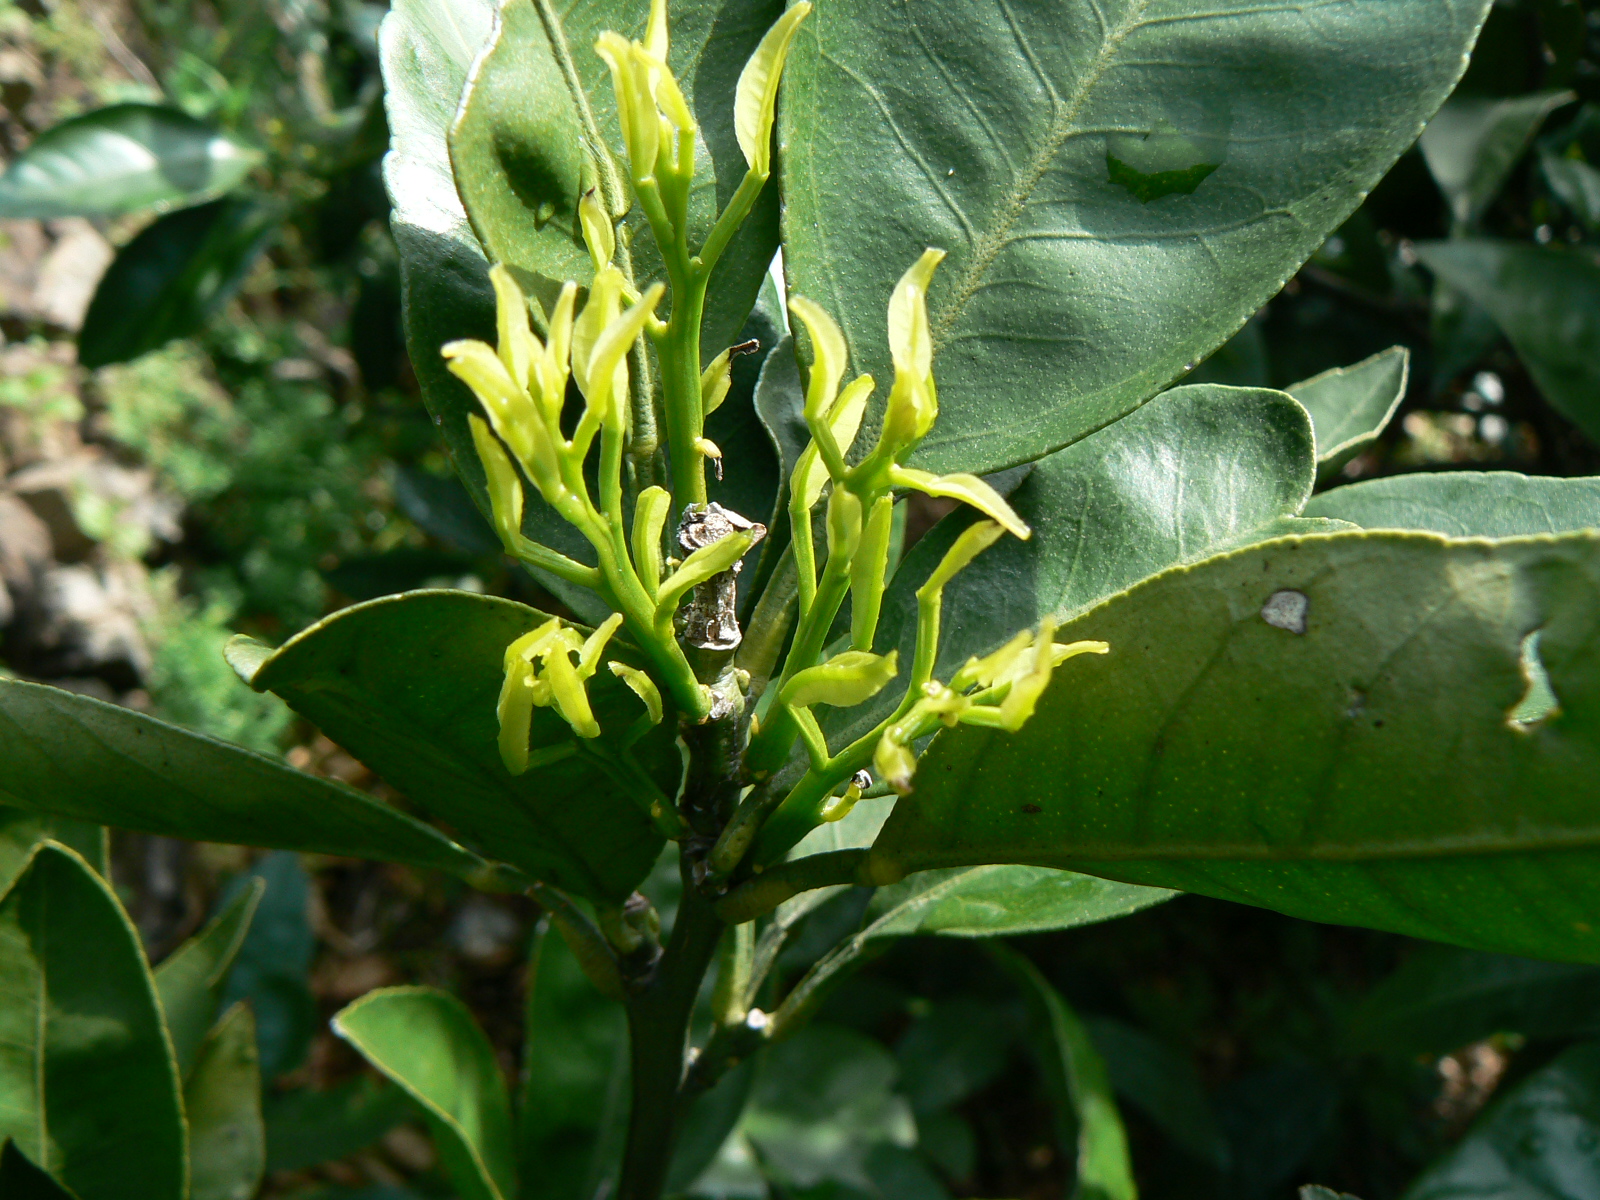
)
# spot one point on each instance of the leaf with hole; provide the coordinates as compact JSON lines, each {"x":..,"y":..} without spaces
{"x":427,"y":1042}
{"x":119,"y":160}
{"x":1119,"y":185}
{"x":409,"y":685}
{"x":1322,"y":726}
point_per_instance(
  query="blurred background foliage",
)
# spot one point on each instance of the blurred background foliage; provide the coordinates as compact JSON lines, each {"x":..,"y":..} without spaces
{"x":246,"y":450}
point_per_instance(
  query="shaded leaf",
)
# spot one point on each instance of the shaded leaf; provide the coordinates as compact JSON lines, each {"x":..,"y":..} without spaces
{"x":21,"y":831}
{"x":1320,"y":726}
{"x":409,"y":684}
{"x":1466,"y":503}
{"x":1275,"y":1115}
{"x":1350,"y":406}
{"x":1578,"y":185}
{"x":1077,"y":1077}
{"x":1547,"y":301}
{"x":222,"y":1101}
{"x":273,"y":964}
{"x":1163,"y":1085}
{"x":21,"y":1180}
{"x":1443,"y":998}
{"x":1473,"y":142}
{"x":73,"y":1023}
{"x":168,"y":281}
{"x":190,"y":979}
{"x":1538,"y":1143}
{"x":428,"y":1043}
{"x":305,"y":1127}
{"x":121,"y":159}
{"x":1071,"y":295}
{"x":81,"y":758}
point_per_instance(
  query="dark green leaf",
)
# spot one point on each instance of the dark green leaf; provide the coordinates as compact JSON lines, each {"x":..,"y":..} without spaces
{"x":951,"y":1051}
{"x":190,"y":979}
{"x":707,"y":1126}
{"x":88,"y":1085}
{"x":305,"y":1127}
{"x":1275,"y":1115}
{"x":119,"y":160}
{"x":1349,"y":406}
{"x":1313,"y":1191}
{"x":1442,"y":998}
{"x":518,"y":153}
{"x":574,"y":1095}
{"x":428,"y":1043}
{"x":1194,"y":470}
{"x":273,"y":964}
{"x":1162,"y":1084}
{"x":409,"y":685}
{"x":1077,"y":1077}
{"x":222,"y":1100}
{"x":77,"y":757}
{"x":1578,"y":185}
{"x":1073,"y":292}
{"x":21,"y":1180}
{"x":1320,"y":726}
{"x":21,"y":831}
{"x":172,"y":277}
{"x":1473,"y":142}
{"x":1547,"y":301}
{"x":1466,"y":503}
{"x":1536,"y":1144}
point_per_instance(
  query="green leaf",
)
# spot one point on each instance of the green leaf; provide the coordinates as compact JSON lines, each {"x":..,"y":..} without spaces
{"x":1473,"y":142}
{"x":1072,"y":292}
{"x":1194,"y":470}
{"x":21,"y":1180}
{"x":1077,"y":1076}
{"x":273,"y":965}
{"x":518,"y":144}
{"x":76,"y":757}
{"x":1578,"y":185}
{"x":1350,"y":406}
{"x":574,"y":1097}
{"x":21,"y":831}
{"x":1466,"y":503}
{"x":88,"y":1085}
{"x":428,"y":1043}
{"x":1320,"y":726}
{"x":305,"y":1127}
{"x":1538,"y":1143}
{"x":121,"y":159}
{"x":190,"y":979}
{"x":409,"y":685}
{"x":1313,"y":1191}
{"x":1163,"y":1085}
{"x":222,"y":1100}
{"x":1547,"y":301}
{"x":1443,"y":998}
{"x":172,"y":277}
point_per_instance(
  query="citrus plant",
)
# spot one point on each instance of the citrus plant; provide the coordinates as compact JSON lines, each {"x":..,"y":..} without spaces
{"x":1138,"y":657}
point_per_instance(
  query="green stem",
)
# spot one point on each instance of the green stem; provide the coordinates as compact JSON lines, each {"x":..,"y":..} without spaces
{"x":658,"y":1026}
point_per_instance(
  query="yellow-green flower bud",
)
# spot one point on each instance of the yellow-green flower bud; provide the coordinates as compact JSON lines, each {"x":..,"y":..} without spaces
{"x":649,"y":518}
{"x":868,"y":571}
{"x":505,"y":489}
{"x":844,"y":523}
{"x":756,"y":98}
{"x":967,"y":488}
{"x":598,"y":232}
{"x":844,"y":681}
{"x":914,"y":400}
{"x":643,"y":687}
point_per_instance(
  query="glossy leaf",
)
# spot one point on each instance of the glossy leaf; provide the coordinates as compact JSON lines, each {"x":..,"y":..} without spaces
{"x":168,"y":281}
{"x":88,"y":1085}
{"x":1466,"y":503}
{"x":1547,"y":301}
{"x":1194,"y":470}
{"x":1320,"y":726}
{"x":222,"y":1100}
{"x":121,"y":159}
{"x":1350,"y":406}
{"x":1538,"y":1143}
{"x":190,"y":980}
{"x":1077,"y":1076}
{"x":1443,"y":998}
{"x":428,"y":1043}
{"x":518,"y":144}
{"x":1056,"y":151}
{"x":1474,"y":141}
{"x":81,"y":758}
{"x":21,"y":831}
{"x":409,"y":685}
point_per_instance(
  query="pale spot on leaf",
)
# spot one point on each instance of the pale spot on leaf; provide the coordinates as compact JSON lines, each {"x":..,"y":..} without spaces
{"x":1286,"y":609}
